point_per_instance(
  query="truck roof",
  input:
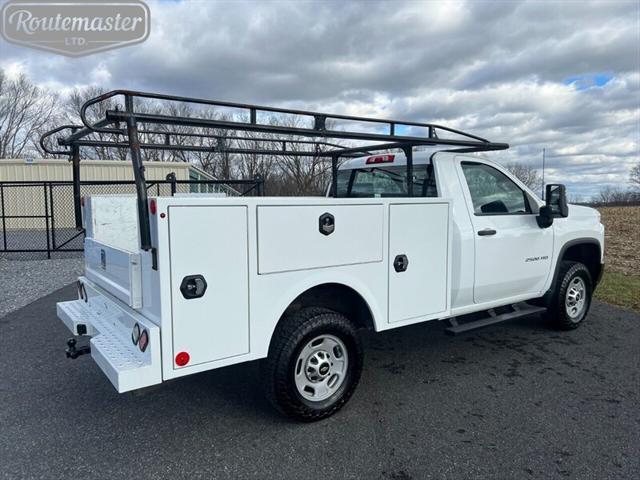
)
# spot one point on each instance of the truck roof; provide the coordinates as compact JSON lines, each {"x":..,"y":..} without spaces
{"x":420,"y":157}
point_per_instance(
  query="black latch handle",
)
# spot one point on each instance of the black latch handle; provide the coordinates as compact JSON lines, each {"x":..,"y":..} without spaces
{"x":193,"y":286}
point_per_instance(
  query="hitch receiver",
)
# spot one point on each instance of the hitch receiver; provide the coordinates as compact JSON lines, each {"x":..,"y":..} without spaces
{"x":72,"y":351}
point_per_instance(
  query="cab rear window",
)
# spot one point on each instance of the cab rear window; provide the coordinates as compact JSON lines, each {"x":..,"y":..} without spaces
{"x":386,"y":181}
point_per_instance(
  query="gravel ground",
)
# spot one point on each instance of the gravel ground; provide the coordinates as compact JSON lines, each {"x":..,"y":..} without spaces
{"x":23,"y":281}
{"x":513,"y":401}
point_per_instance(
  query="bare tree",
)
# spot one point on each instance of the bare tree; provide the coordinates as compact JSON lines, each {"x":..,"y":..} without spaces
{"x":252,"y":165}
{"x":71,"y":111}
{"x":610,"y":194}
{"x":27,"y":111}
{"x":526,"y":174}
{"x":24,"y":110}
{"x":634,"y":176}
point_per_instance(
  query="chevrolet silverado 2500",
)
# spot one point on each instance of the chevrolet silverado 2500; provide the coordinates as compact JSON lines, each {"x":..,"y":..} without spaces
{"x":413,"y":228}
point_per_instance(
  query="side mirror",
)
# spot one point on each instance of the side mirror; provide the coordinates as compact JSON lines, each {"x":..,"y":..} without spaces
{"x":556,"y":198}
{"x":545,"y":217}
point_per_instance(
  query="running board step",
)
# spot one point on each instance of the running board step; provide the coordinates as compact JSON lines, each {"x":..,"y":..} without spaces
{"x":520,"y":310}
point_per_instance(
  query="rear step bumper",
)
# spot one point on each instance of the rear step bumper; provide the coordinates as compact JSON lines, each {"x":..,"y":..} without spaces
{"x":110,"y":325}
{"x":519,"y":310}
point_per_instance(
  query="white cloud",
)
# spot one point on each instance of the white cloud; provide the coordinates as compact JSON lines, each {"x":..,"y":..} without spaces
{"x":500,"y":69}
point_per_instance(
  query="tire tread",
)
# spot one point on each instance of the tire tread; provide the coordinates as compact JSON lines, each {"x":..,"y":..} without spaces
{"x":274,"y":369}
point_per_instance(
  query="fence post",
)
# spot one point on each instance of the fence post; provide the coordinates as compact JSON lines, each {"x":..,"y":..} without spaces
{"x":259,"y":185}
{"x":4,"y":220}
{"x":171,"y":178}
{"x":53,"y":225}
{"x":46,"y":218}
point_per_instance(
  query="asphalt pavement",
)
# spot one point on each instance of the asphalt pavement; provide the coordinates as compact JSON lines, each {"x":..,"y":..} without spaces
{"x":514,"y":401}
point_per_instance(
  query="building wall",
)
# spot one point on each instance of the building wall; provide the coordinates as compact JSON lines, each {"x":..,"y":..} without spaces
{"x":60,"y":170}
{"x":29,"y":201}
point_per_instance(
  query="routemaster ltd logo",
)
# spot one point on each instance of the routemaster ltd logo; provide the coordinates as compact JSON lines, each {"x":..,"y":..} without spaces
{"x":75,"y":28}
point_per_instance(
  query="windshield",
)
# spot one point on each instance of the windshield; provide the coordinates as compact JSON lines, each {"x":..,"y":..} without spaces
{"x":385,"y":181}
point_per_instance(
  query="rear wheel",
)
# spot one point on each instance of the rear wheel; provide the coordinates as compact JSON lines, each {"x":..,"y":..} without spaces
{"x":572,"y":300}
{"x":314,"y":364}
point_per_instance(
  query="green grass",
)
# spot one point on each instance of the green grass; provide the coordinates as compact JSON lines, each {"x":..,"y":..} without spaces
{"x":620,"y":289}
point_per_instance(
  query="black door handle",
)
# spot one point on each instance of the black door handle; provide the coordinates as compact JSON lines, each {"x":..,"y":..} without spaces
{"x":486,"y":232}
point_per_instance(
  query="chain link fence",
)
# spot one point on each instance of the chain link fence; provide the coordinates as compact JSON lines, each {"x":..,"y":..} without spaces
{"x":37,"y":219}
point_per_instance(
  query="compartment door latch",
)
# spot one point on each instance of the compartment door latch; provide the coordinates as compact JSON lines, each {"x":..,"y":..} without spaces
{"x":326,"y":223}
{"x":193,"y":286}
{"x":400,"y":263}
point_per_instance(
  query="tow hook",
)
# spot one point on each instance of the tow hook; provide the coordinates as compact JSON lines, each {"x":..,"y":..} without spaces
{"x":73,"y":351}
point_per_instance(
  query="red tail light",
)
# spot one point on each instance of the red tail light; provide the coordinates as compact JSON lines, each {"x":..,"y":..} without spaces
{"x":152,"y":206}
{"x":143,"y":341}
{"x":182,"y":359}
{"x":380,"y":159}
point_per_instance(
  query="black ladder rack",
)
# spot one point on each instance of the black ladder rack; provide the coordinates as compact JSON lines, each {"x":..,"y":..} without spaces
{"x":167,"y":132}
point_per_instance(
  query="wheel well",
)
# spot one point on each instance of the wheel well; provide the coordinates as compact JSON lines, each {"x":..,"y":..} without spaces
{"x":337,"y":297}
{"x":587,"y":254}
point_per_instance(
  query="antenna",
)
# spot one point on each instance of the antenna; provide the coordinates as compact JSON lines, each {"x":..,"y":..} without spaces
{"x":543,"y":157}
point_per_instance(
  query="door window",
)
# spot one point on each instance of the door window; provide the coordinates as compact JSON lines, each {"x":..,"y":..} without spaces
{"x":492,"y":192}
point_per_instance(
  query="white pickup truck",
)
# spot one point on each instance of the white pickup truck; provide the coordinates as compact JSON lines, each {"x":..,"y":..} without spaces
{"x":446,"y":236}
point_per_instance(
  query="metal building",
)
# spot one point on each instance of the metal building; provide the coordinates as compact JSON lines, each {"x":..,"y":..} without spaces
{"x":27,"y":185}
{"x":45,"y":170}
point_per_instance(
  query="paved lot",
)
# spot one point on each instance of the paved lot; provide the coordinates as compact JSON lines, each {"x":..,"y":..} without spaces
{"x":512,"y":402}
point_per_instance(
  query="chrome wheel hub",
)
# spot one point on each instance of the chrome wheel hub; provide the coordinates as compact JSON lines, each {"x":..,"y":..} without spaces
{"x":575,"y":299}
{"x":321,"y":367}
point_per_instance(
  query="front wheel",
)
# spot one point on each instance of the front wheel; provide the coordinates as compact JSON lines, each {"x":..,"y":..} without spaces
{"x":314,"y":364}
{"x":572,"y":300}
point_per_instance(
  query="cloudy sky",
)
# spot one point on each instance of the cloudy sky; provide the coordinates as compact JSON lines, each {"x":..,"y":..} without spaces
{"x":564,"y":76}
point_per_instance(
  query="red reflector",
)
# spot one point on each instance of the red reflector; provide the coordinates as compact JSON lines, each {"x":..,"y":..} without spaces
{"x":182,"y":359}
{"x":380,"y":159}
{"x":152,"y":207}
{"x":143,"y":341}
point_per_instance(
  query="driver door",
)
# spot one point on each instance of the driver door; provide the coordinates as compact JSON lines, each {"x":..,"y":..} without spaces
{"x":512,"y":253}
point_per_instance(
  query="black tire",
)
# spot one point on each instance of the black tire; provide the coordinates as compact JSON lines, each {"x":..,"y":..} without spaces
{"x":557,"y":312}
{"x":278,"y":370}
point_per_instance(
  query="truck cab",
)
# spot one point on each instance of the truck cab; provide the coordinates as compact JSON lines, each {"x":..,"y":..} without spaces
{"x":503,"y":254}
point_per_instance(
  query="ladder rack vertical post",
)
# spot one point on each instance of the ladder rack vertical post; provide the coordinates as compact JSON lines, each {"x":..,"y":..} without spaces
{"x":334,"y":175}
{"x":77,"y":207}
{"x":138,"y":174}
{"x":408,"y":152}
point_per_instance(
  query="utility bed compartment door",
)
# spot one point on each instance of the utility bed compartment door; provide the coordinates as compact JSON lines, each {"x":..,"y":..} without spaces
{"x":290,"y":237}
{"x":210,"y":241}
{"x":418,"y":283}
